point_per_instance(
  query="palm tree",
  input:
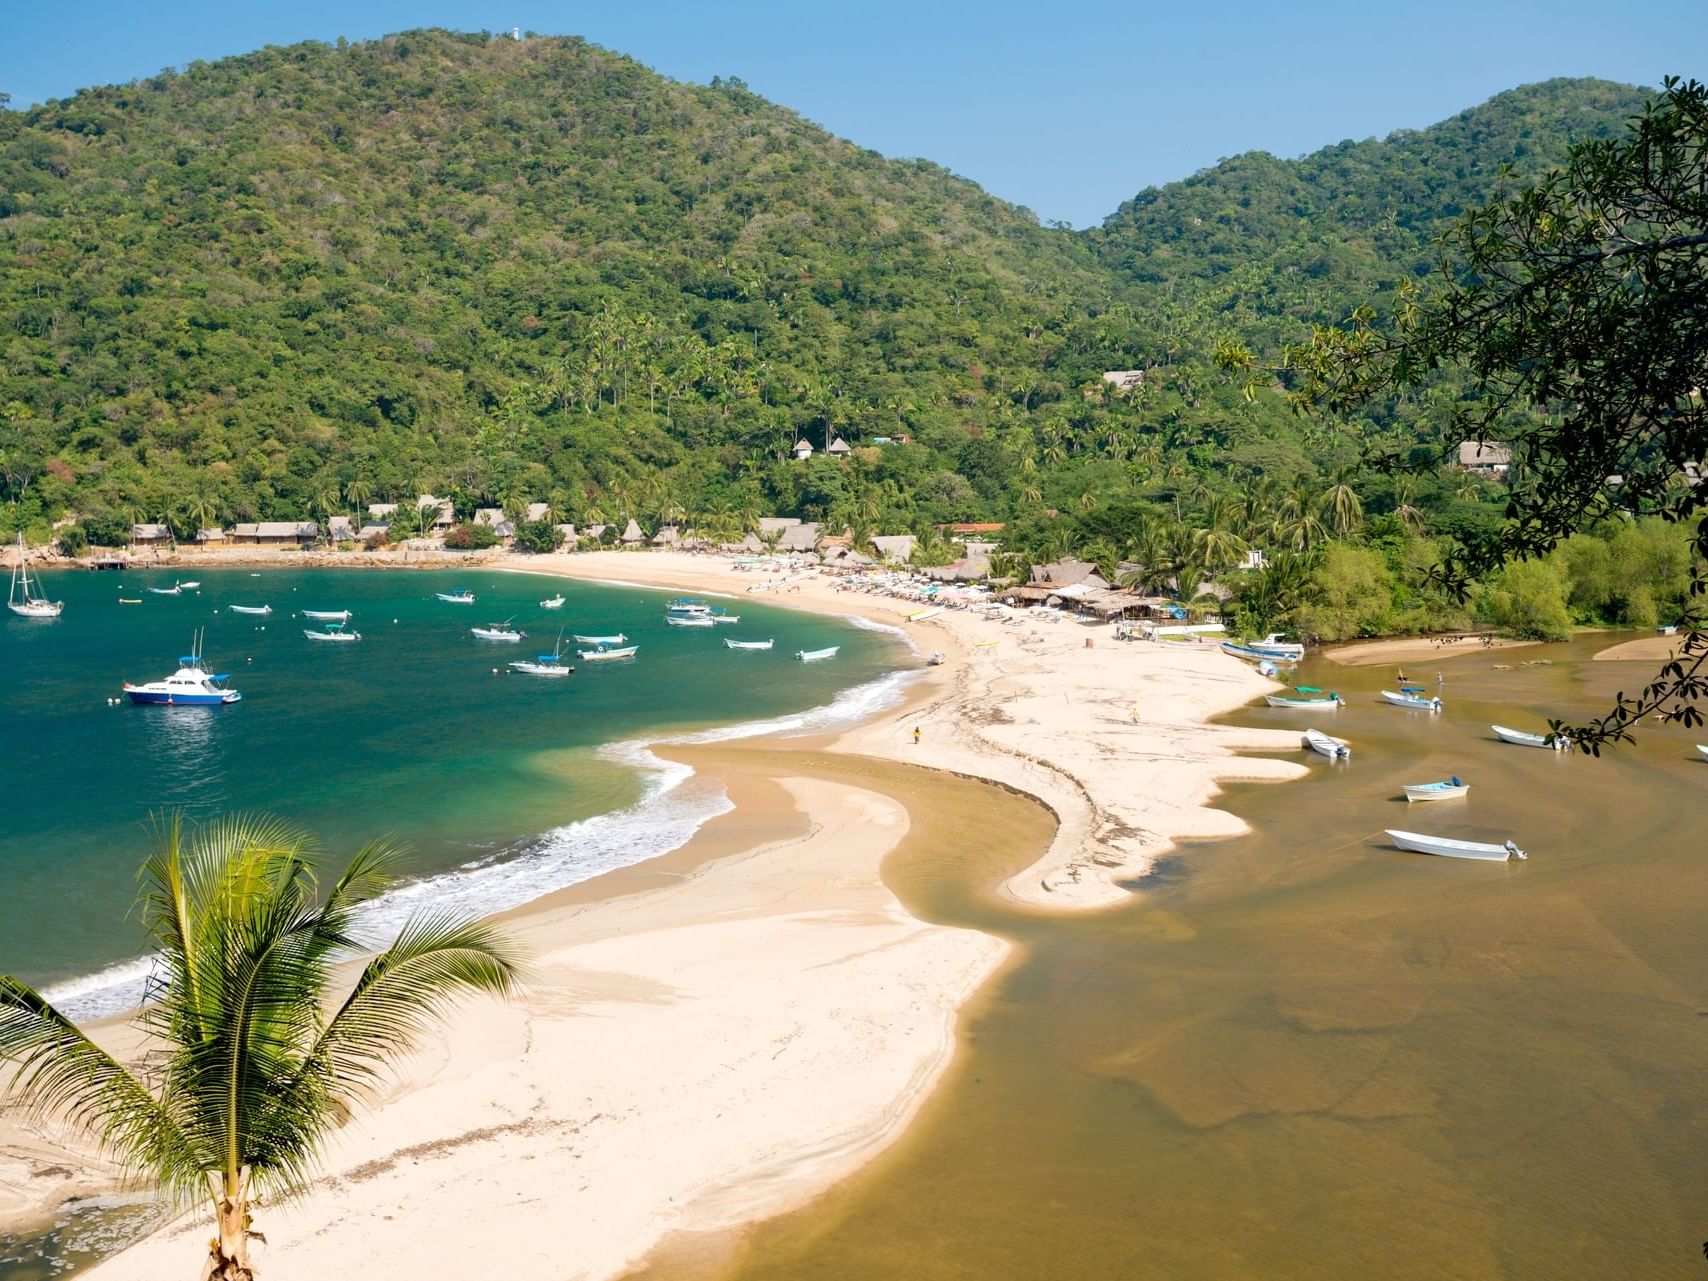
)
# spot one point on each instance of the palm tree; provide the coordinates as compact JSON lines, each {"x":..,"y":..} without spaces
{"x":358,"y":492}
{"x":248,"y":1074}
{"x":1341,"y":504}
{"x":1405,"y":492}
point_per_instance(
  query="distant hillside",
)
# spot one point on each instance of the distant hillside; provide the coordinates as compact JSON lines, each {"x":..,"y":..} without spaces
{"x":1263,"y":241}
{"x":291,"y":282}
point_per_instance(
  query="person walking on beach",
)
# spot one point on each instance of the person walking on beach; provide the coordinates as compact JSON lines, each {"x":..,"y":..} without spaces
{"x":916,"y":735}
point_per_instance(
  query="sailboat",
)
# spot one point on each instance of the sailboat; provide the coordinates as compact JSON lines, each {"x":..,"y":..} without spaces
{"x":23,"y":601}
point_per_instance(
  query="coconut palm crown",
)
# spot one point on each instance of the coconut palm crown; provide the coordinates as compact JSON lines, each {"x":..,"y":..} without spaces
{"x":253,"y":1058}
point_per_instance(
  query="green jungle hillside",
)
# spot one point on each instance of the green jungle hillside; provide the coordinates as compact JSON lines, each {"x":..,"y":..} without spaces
{"x":292,"y":283}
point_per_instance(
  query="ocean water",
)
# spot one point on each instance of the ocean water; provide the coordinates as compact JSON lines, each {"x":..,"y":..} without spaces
{"x":503,"y":786}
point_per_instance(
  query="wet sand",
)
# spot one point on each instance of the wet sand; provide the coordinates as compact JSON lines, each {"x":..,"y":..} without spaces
{"x":1416,"y":649}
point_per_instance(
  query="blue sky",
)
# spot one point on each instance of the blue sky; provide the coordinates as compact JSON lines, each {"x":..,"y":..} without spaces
{"x":1066,"y":108}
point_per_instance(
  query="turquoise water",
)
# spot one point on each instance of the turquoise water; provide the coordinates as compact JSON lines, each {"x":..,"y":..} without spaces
{"x":494,"y":781}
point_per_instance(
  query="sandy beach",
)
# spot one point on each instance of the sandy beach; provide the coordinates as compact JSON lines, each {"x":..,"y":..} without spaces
{"x":1416,"y":649}
{"x":1645,"y":649}
{"x":722,"y":1034}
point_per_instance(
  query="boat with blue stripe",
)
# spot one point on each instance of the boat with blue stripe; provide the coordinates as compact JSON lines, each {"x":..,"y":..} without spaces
{"x":192,"y":685}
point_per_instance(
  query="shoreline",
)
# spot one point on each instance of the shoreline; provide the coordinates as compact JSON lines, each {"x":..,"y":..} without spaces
{"x":1033,"y":709}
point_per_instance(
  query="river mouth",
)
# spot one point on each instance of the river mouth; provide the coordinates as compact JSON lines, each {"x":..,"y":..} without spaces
{"x":1305,"y":1054}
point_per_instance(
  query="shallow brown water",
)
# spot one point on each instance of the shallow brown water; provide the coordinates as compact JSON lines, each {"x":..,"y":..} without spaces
{"x":1301,"y":1054}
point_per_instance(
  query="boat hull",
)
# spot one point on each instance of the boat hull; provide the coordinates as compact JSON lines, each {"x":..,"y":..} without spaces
{"x":333,"y":636}
{"x":1416,"y":704}
{"x":816,"y":655}
{"x":618,"y":639}
{"x":1326,"y":745}
{"x":167,"y":698}
{"x":1420,"y":843}
{"x":37,"y":608}
{"x":1523,"y":739}
{"x":1254,"y":655}
{"x":258,"y":611}
{"x":1435,"y":791}
{"x":1303,"y":704}
{"x":542,"y":669}
{"x":605,"y":655}
{"x":735,"y":644}
{"x":555,"y":603}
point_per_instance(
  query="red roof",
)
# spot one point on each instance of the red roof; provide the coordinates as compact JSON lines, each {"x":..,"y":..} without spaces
{"x":982,"y":527}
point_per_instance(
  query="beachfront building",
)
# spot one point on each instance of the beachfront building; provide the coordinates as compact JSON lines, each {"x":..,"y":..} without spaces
{"x":632,"y":535}
{"x":838,"y":448}
{"x":277,"y":533}
{"x":897,"y":548}
{"x":799,"y":537}
{"x":537,"y":512}
{"x":373,"y":532}
{"x":340,"y":529}
{"x":667,"y":536}
{"x":382,"y":511}
{"x":150,"y":535}
{"x":212,"y":537}
{"x":1124,"y":379}
{"x":803,"y":450}
{"x":495,"y":520}
{"x":1483,"y":459}
{"x":444,"y":511}
{"x":567,"y":537}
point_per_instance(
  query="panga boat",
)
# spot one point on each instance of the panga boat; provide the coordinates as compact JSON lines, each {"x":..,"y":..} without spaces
{"x":191,"y":685}
{"x":687,"y":605}
{"x":190,"y":584}
{"x":735,"y":644}
{"x":498,"y":632}
{"x":1336,"y":749}
{"x":1451,"y":789}
{"x":816,"y":655}
{"x":920,"y":615}
{"x":1327,"y":703}
{"x":1418,"y":843}
{"x":556,"y":602}
{"x":334,"y":632}
{"x":23,"y":600}
{"x":618,"y":639}
{"x":327,"y":615}
{"x":1421,"y":703}
{"x":721,"y":617}
{"x":689,"y":620}
{"x":1703,"y":748}
{"x":937,"y":659}
{"x":177,"y":589}
{"x":1242,"y":649}
{"x":253,"y":609}
{"x":551,"y":664}
{"x":605,"y":652}
{"x":462,"y":597}
{"x":1524,"y":739}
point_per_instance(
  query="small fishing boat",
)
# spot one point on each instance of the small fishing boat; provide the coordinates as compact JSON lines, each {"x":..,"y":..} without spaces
{"x":1240,"y":649}
{"x":461,"y":597}
{"x":735,"y":644}
{"x":1328,"y":703}
{"x":327,"y":615}
{"x":1447,"y":790}
{"x":192,"y":685}
{"x":130,"y":600}
{"x":605,"y":653}
{"x":1419,"y":843}
{"x":261,"y":610}
{"x":937,"y":659}
{"x":1417,"y":701}
{"x":177,"y":589}
{"x":687,"y":605}
{"x":191,"y":584}
{"x":920,"y":615}
{"x":1336,"y":749}
{"x":618,"y":639}
{"x":551,"y":664}
{"x":497,"y":632}
{"x":1524,"y":739}
{"x":721,"y":617}
{"x":556,"y":602}
{"x":1703,"y":748}
{"x":333,"y":632}
{"x":816,"y":655}
{"x":689,"y":620}
{"x":23,"y":600}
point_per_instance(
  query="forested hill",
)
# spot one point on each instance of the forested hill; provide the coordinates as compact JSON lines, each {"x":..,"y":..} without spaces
{"x":292,"y":282}
{"x":1268,"y":243}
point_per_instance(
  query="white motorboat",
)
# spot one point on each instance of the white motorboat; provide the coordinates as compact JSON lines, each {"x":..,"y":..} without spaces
{"x":687,"y":605}
{"x":937,"y":659}
{"x":920,"y":615}
{"x":192,"y":685}
{"x":1246,"y":651}
{"x":726,"y":618}
{"x":604,"y":654}
{"x":618,"y":639}
{"x":816,"y":655}
{"x":1703,"y":748}
{"x":551,"y":664}
{"x":461,"y":597}
{"x":556,"y":602}
{"x":1416,"y":701}
{"x":1525,"y":739}
{"x":327,"y":615}
{"x":1327,"y":703}
{"x":1336,"y":749}
{"x":735,"y":644}
{"x":23,"y":600}
{"x":498,"y":632}
{"x":333,"y":632}
{"x":191,"y":584}
{"x":1419,"y":843}
{"x":1447,"y":790}
{"x":177,"y":589}
{"x":262,"y":610}
{"x":689,"y":620}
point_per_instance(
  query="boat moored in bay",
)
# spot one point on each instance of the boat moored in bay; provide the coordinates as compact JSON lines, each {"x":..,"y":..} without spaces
{"x":1446,"y":790}
{"x":1523,"y":738}
{"x":735,"y":644}
{"x":462,"y":596}
{"x":816,"y":655}
{"x":1416,"y":701}
{"x":1420,"y":843}
{"x":23,"y":600}
{"x":192,"y":685}
{"x":497,"y":632}
{"x":1336,"y":749}
{"x":262,"y":610}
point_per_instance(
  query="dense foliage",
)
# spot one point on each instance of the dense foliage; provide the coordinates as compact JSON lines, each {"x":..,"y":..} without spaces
{"x":292,"y":283}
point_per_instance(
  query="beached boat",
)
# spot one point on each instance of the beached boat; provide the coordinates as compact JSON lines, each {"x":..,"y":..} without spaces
{"x":1703,"y":748}
{"x":551,"y":664}
{"x":687,"y":605}
{"x":192,"y":685}
{"x":327,"y":615}
{"x":1417,"y":701}
{"x":22,"y":599}
{"x":1336,"y":749}
{"x":1328,"y":703}
{"x":605,"y":653}
{"x":497,"y":632}
{"x":816,"y":655}
{"x":177,"y":589}
{"x":262,"y":610}
{"x":735,"y":644}
{"x":618,"y":639}
{"x":333,"y":632}
{"x":937,"y":659}
{"x":689,"y":620}
{"x":1419,"y":843}
{"x":556,"y":602}
{"x":461,"y":597}
{"x":1525,"y":739}
{"x":1240,"y":649}
{"x":920,"y":615}
{"x":1447,"y":790}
